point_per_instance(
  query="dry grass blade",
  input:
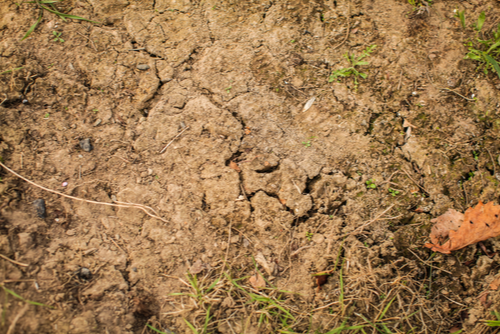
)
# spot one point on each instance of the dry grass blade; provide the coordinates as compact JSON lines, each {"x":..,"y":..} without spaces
{"x":15,"y":262}
{"x":149,"y":211}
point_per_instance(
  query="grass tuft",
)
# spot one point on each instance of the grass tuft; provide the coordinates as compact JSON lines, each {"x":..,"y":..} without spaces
{"x":48,"y":5}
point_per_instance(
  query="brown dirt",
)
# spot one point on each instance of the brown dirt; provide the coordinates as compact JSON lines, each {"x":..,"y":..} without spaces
{"x":237,"y":75}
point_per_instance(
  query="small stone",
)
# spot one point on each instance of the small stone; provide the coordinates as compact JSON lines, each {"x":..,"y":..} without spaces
{"x":134,"y":269}
{"x":86,"y":145}
{"x":84,"y":273}
{"x":96,"y":123}
{"x":39,"y":206}
{"x":351,"y":184}
{"x":143,"y":67}
{"x":318,"y":238}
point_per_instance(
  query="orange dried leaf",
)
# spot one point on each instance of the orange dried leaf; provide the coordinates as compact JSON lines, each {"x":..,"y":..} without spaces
{"x":248,"y":131}
{"x":449,"y":221}
{"x":257,"y":281}
{"x":234,"y":166}
{"x":283,"y":201}
{"x":479,"y":223}
{"x":495,"y":284}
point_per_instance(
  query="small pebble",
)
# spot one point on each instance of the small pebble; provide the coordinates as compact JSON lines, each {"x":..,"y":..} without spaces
{"x":96,"y":123}
{"x":85,"y":273}
{"x":39,"y":206}
{"x":143,"y":67}
{"x":25,"y":101}
{"x":86,"y":145}
{"x":134,"y":269}
{"x":65,"y":184}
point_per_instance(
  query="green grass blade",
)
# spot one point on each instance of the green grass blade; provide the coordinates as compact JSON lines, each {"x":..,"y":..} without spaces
{"x":24,"y":300}
{"x":67,"y":16}
{"x":32,"y":28}
{"x":341,"y":296}
{"x":480,"y":21}
{"x":191,"y":327}
{"x":154,"y":329}
{"x":493,"y":63}
{"x":386,"y":309}
{"x":212,"y":285}
{"x":207,"y":319}
{"x":12,"y":70}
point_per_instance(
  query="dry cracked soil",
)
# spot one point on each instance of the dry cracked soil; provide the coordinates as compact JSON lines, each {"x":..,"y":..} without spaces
{"x":197,"y":110}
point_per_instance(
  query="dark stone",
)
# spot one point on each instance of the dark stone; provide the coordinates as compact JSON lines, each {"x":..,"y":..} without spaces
{"x":86,"y":145}
{"x":39,"y":206}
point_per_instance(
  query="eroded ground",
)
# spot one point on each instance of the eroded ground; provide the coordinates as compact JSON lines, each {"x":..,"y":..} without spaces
{"x":253,"y":181}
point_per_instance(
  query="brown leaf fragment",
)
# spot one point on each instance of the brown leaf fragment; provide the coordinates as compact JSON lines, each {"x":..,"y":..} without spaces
{"x":484,"y":300}
{"x":257,"y":281}
{"x":449,"y":221}
{"x":321,"y":280}
{"x":234,"y":166}
{"x":283,"y":201}
{"x":248,"y":131}
{"x":495,"y":284}
{"x":479,"y":223}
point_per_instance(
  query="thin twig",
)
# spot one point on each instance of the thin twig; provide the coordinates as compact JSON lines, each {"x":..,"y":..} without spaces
{"x":123,"y":205}
{"x":180,"y":133}
{"x":15,"y":262}
{"x":359,"y":229}
{"x":16,"y":319}
{"x":298,"y":250}
{"x":493,"y":161}
{"x":418,"y":185}
{"x":451,"y":90}
{"x":348,"y":27}
{"x":91,"y":41}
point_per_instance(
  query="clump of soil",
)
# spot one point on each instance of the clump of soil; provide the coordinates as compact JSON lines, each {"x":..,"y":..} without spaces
{"x":196,"y":110}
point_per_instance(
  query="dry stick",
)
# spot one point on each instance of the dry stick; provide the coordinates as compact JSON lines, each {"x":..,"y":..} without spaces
{"x":16,"y":319}
{"x":91,"y":41}
{"x":180,"y":133}
{"x":15,"y":262}
{"x":348,"y":27}
{"x":493,"y":161}
{"x":418,"y":185}
{"x":451,"y":90}
{"x":359,"y":229}
{"x":128,"y":205}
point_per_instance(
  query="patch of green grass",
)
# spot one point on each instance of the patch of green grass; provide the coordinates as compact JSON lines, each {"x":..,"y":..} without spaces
{"x":270,"y":309}
{"x":352,"y":70}
{"x":48,"y":6}
{"x":485,"y":47}
{"x":205,"y":326}
{"x":493,"y":323}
